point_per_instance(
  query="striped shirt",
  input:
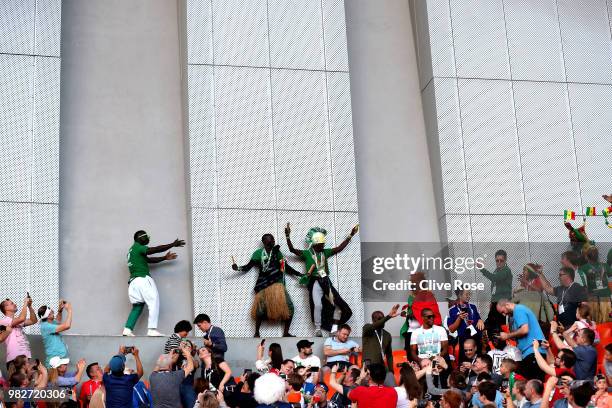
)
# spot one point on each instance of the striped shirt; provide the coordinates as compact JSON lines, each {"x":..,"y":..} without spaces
{"x":172,"y":343}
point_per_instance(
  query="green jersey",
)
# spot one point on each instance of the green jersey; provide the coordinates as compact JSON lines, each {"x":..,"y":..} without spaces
{"x":319,"y":260}
{"x":137,"y":261}
{"x":501,"y":282}
{"x":595,"y":278}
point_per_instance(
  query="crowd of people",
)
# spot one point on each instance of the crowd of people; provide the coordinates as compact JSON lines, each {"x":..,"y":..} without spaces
{"x":527,"y":352}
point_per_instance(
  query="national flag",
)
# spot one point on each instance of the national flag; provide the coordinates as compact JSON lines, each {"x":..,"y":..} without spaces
{"x":591,"y":211}
{"x":569,"y":215}
{"x":606,"y":211}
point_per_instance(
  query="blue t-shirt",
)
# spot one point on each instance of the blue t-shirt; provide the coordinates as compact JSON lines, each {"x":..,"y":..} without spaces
{"x":473,"y":317}
{"x":586,"y":362}
{"x":498,"y":400}
{"x":336,"y":345}
{"x":119,"y":390}
{"x":53,"y":342}
{"x":523,"y":315}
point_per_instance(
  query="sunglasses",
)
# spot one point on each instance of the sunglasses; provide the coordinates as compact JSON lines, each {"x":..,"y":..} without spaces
{"x":428,"y":316}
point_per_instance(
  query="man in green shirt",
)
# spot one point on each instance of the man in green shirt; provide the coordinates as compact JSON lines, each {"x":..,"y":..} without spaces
{"x":324,"y":298}
{"x":594,"y":276}
{"x":272,"y":301}
{"x":501,"y":288}
{"x":142,"y":289}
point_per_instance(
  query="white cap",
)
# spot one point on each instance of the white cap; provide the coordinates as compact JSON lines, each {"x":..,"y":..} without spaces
{"x":56,"y":361}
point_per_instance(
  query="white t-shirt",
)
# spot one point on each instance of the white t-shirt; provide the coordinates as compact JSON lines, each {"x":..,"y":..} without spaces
{"x":402,"y":397}
{"x":429,"y":341}
{"x":311,"y":360}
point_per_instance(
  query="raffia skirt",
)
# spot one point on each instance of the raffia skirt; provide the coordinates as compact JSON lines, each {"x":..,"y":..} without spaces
{"x":272,"y":303}
{"x":600,"y":308}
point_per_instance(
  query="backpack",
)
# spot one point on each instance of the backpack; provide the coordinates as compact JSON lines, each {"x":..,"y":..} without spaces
{"x":141,"y":397}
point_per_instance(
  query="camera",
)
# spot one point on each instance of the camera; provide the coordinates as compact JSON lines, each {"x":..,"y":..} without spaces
{"x":129,"y":349}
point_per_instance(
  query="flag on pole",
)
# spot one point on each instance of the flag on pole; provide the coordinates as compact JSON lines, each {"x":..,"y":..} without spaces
{"x":590,"y":211}
{"x":569,"y":215}
{"x":606,"y":211}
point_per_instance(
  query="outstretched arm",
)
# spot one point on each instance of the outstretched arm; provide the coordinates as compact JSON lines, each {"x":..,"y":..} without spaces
{"x":291,"y":271}
{"x":162,"y":248}
{"x":346,"y":241}
{"x":289,"y":243}
{"x":157,"y":259}
{"x":244,"y":268}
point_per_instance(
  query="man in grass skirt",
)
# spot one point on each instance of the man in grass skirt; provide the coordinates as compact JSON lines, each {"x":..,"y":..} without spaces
{"x":272,"y":301}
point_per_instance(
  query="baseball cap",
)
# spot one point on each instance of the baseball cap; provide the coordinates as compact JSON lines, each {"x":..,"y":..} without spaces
{"x":117,"y":364}
{"x":57,"y":361}
{"x":304,"y":343}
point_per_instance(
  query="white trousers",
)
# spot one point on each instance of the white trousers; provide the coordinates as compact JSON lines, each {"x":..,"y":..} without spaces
{"x":317,"y":294}
{"x":143,"y":290}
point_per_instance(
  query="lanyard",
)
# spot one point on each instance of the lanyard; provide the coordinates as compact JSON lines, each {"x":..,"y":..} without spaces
{"x":265,"y":259}
{"x":380,"y":341}
{"x":564,"y":291}
{"x":319,"y":265}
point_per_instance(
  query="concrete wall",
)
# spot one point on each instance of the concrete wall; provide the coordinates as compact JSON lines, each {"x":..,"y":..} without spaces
{"x":394,"y":182}
{"x":122,"y":157}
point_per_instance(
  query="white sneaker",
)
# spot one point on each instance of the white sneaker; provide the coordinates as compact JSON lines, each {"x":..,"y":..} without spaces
{"x":318,"y":333}
{"x":155,"y":333}
{"x":128,"y":332}
{"x":334,"y":329}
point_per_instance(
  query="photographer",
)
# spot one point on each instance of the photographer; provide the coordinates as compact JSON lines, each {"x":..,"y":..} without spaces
{"x":464,"y":321}
{"x":165,"y":383}
{"x":243,"y":392}
{"x":51,"y":328}
{"x":118,"y":385}
{"x":15,"y":341}
{"x":58,"y":372}
{"x":343,"y":385}
{"x":273,"y":362}
{"x":586,"y":354}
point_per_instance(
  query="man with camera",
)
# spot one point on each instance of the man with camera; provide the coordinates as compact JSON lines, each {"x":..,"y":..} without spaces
{"x":51,"y":328}
{"x":118,"y":385}
{"x":586,"y":354}
{"x":338,"y":349}
{"x":15,"y":341}
{"x":165,"y":383}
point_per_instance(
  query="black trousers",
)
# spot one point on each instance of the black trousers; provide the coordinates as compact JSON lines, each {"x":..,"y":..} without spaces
{"x":529,"y":368}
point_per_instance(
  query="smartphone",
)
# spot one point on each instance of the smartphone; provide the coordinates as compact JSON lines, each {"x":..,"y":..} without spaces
{"x":129,"y":349}
{"x":262,"y":342}
{"x":314,"y":369}
{"x":434,"y":363}
{"x":247,"y":371}
{"x":28,"y":294}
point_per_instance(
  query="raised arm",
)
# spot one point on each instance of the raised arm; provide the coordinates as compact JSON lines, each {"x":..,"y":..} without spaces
{"x":186,"y":348}
{"x":289,"y":243}
{"x":542,"y":363}
{"x":32,"y":318}
{"x":22,"y":316}
{"x":555,"y":336}
{"x":546,"y":286}
{"x":163,"y":248}
{"x":346,"y":241}
{"x":68,"y":323}
{"x":334,"y":382}
{"x":139,"y":369}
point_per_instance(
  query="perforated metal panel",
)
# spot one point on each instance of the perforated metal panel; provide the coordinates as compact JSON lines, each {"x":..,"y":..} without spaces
{"x":591,"y":107}
{"x":334,"y":29}
{"x":587,"y":47}
{"x":245,"y":150}
{"x":48,"y":27}
{"x":545,"y":135}
{"x":491,"y":150}
{"x":267,"y":146}
{"x":199,"y":32}
{"x":17,"y":26}
{"x":439,"y":29}
{"x":296,"y":34}
{"x":240,"y":32}
{"x":480,"y":39}
{"x":301,"y":140}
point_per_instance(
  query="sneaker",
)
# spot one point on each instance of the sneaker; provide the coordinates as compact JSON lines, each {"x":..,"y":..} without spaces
{"x":155,"y":333}
{"x":334,"y":330}
{"x":318,"y":333}
{"x":128,"y":332}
